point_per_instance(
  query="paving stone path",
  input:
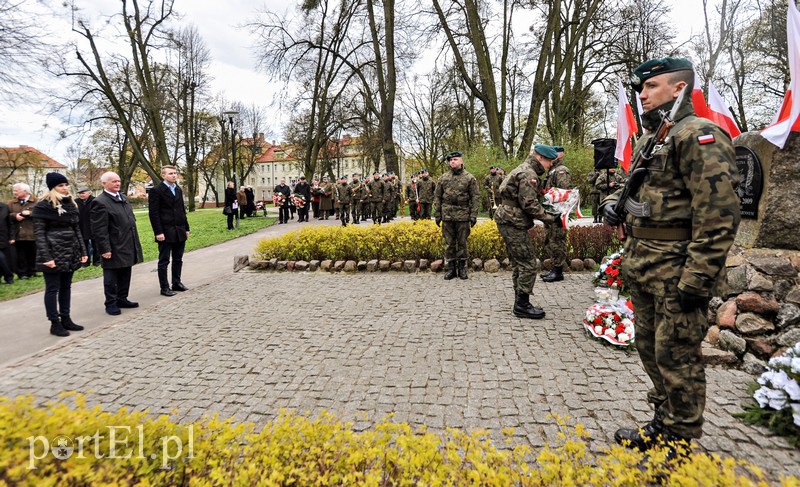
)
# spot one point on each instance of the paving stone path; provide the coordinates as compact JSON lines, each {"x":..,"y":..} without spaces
{"x":443,"y":354}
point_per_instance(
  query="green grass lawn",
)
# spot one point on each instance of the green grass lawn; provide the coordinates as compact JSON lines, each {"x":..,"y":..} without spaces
{"x":209,"y":227}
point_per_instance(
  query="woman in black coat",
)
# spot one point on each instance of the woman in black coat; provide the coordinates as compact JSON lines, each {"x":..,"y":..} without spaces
{"x":230,"y":202}
{"x":59,"y":250}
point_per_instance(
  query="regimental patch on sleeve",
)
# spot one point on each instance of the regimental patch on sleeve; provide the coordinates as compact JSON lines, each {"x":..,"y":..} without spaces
{"x":706,"y":139}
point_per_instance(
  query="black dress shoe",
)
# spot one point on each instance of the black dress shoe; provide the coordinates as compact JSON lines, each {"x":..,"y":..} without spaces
{"x":178,"y":286}
{"x":168,"y":292}
{"x":113,"y":310}
{"x":127,"y":304}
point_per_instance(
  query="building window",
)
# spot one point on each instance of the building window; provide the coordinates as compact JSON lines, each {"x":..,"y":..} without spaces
{"x":262,"y":181}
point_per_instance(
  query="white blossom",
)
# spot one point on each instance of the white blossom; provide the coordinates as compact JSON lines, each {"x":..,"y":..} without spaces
{"x":793,"y":390}
{"x":761,"y":397}
{"x":777,"y":399}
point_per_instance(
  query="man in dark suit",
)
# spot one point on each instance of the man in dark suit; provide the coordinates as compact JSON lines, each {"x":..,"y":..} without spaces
{"x":84,"y":202}
{"x":5,"y":246}
{"x":114,"y":232}
{"x":168,"y":219}
{"x":283,"y":210}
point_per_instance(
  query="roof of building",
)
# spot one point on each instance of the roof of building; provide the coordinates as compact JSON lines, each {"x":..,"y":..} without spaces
{"x":26,"y":156}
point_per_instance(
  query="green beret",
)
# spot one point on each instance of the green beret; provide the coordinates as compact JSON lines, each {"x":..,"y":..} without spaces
{"x":545,"y":151}
{"x":451,"y":155}
{"x":654,"y":67}
{"x":558,"y":148}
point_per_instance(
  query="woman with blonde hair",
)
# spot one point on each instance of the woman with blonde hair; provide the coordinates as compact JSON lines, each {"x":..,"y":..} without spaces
{"x":59,"y":250}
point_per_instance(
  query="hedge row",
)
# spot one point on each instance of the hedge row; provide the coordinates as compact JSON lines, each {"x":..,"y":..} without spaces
{"x":418,"y":240}
{"x":300,"y":450}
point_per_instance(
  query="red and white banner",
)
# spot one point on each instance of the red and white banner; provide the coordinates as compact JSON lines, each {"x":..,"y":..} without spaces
{"x":719,"y":113}
{"x":698,"y":100}
{"x":788,"y":119}
{"x":626,"y":128}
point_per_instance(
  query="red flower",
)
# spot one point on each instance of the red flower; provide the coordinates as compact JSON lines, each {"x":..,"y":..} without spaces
{"x":615,"y":262}
{"x":598,"y":321}
{"x":614,"y":272}
{"x":620,"y":329}
{"x":610,"y":281}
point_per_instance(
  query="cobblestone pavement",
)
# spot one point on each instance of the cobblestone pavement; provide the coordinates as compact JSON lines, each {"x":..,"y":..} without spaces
{"x":443,"y":354}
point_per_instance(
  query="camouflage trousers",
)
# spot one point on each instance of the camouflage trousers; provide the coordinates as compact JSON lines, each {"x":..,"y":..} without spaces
{"x":455,"y":239}
{"x":668,"y":341}
{"x":424,"y":211}
{"x":357,"y":210}
{"x":555,"y":244}
{"x":376,"y":210}
{"x":519,"y":248}
{"x":594,"y":199}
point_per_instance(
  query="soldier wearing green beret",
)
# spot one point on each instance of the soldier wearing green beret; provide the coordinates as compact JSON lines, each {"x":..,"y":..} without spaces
{"x":456,"y":200}
{"x":679,"y":230}
{"x":519,"y":206}
{"x":555,"y":239}
{"x":426,"y":188}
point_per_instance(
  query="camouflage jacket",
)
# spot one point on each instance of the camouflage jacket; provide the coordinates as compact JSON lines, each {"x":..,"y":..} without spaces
{"x":359,"y":192}
{"x":492,"y":183}
{"x":689,"y":185}
{"x":411,"y":192}
{"x":602,"y":183}
{"x":377,"y":190}
{"x":559,"y":176}
{"x":391,"y":192}
{"x":591,"y":180}
{"x":457,"y":196}
{"x":343,"y":194}
{"x":519,"y":199}
{"x":426,"y":189}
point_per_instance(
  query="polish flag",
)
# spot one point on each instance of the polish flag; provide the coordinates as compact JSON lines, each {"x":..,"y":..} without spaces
{"x":788,"y":119}
{"x":626,"y":127}
{"x":698,"y":100}
{"x":719,"y":113}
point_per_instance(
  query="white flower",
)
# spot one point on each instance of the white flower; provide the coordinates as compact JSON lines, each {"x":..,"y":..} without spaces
{"x":624,"y":337}
{"x":796,"y":414}
{"x":610,"y":332}
{"x":777,"y":399}
{"x":603,"y":268}
{"x":793,"y":390}
{"x":761,"y":397}
{"x":796,"y":365}
{"x":780,"y":379}
{"x":598,"y":329}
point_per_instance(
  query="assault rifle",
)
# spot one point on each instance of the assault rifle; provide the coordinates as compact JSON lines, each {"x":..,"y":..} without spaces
{"x":640,"y":164}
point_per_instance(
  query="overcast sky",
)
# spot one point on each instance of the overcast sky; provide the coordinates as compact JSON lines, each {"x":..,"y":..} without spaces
{"x":233,"y":62}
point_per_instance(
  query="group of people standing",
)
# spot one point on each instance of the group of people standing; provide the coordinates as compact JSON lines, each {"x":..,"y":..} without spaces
{"x":61,"y":234}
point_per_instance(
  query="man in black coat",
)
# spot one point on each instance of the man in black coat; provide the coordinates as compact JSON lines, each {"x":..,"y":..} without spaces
{"x":168,"y":219}
{"x":5,"y":245}
{"x":114,"y":232}
{"x":304,"y":189}
{"x":84,"y":201}
{"x":283,"y":210}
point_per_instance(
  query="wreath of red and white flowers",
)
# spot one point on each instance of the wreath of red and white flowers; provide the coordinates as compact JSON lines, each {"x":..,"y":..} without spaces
{"x":612,"y":321}
{"x":278,"y":199}
{"x":299,"y":200}
{"x":609,"y":273}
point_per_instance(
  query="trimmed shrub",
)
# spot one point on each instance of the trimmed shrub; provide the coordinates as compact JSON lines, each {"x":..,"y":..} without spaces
{"x":416,"y":240}
{"x":300,"y":450}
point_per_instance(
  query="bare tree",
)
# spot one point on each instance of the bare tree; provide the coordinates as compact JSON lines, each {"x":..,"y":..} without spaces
{"x":24,"y":51}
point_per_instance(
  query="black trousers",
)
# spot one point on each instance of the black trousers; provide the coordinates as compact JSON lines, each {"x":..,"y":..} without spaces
{"x":165,"y":249}
{"x":230,"y":221}
{"x":5,"y":264}
{"x":92,"y":252}
{"x":116,"y":284}
{"x":57,"y":294}
{"x":302,"y":214}
{"x":26,"y":257}
{"x":283,"y":214}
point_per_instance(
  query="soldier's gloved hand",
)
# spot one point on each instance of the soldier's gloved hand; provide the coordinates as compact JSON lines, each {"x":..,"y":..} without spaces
{"x":690,"y":302}
{"x":610,"y":216}
{"x":438,"y":221}
{"x":472,"y":221}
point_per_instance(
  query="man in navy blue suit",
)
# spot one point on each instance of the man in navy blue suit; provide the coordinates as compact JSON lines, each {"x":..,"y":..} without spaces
{"x":168,"y":219}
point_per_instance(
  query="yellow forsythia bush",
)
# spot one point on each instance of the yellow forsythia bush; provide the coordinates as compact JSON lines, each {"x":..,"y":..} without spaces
{"x":398,"y":241}
{"x":78,"y":445}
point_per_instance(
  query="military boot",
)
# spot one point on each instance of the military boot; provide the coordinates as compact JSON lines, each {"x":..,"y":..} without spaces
{"x":556,"y":274}
{"x":57,"y":329}
{"x":70,"y":325}
{"x":524,"y":309}
{"x":643,"y":438}
{"x":462,"y":268}
{"x":450,"y":270}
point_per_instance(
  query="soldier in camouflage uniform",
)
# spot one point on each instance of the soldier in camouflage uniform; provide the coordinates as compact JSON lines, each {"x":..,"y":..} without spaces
{"x":519,"y":205}
{"x":594,"y":194}
{"x":555,"y":239}
{"x":359,"y":195}
{"x":610,"y":181}
{"x":426,"y":187}
{"x":456,"y":201}
{"x":344,"y":197}
{"x":389,"y":196}
{"x":411,"y":197}
{"x":492,"y":185}
{"x":376,"y":190}
{"x":675,"y":253}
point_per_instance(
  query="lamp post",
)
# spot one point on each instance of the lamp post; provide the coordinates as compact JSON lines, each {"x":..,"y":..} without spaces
{"x":230,"y":114}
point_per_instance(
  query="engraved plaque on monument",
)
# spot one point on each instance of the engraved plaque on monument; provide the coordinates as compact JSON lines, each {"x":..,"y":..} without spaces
{"x":750,"y":181}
